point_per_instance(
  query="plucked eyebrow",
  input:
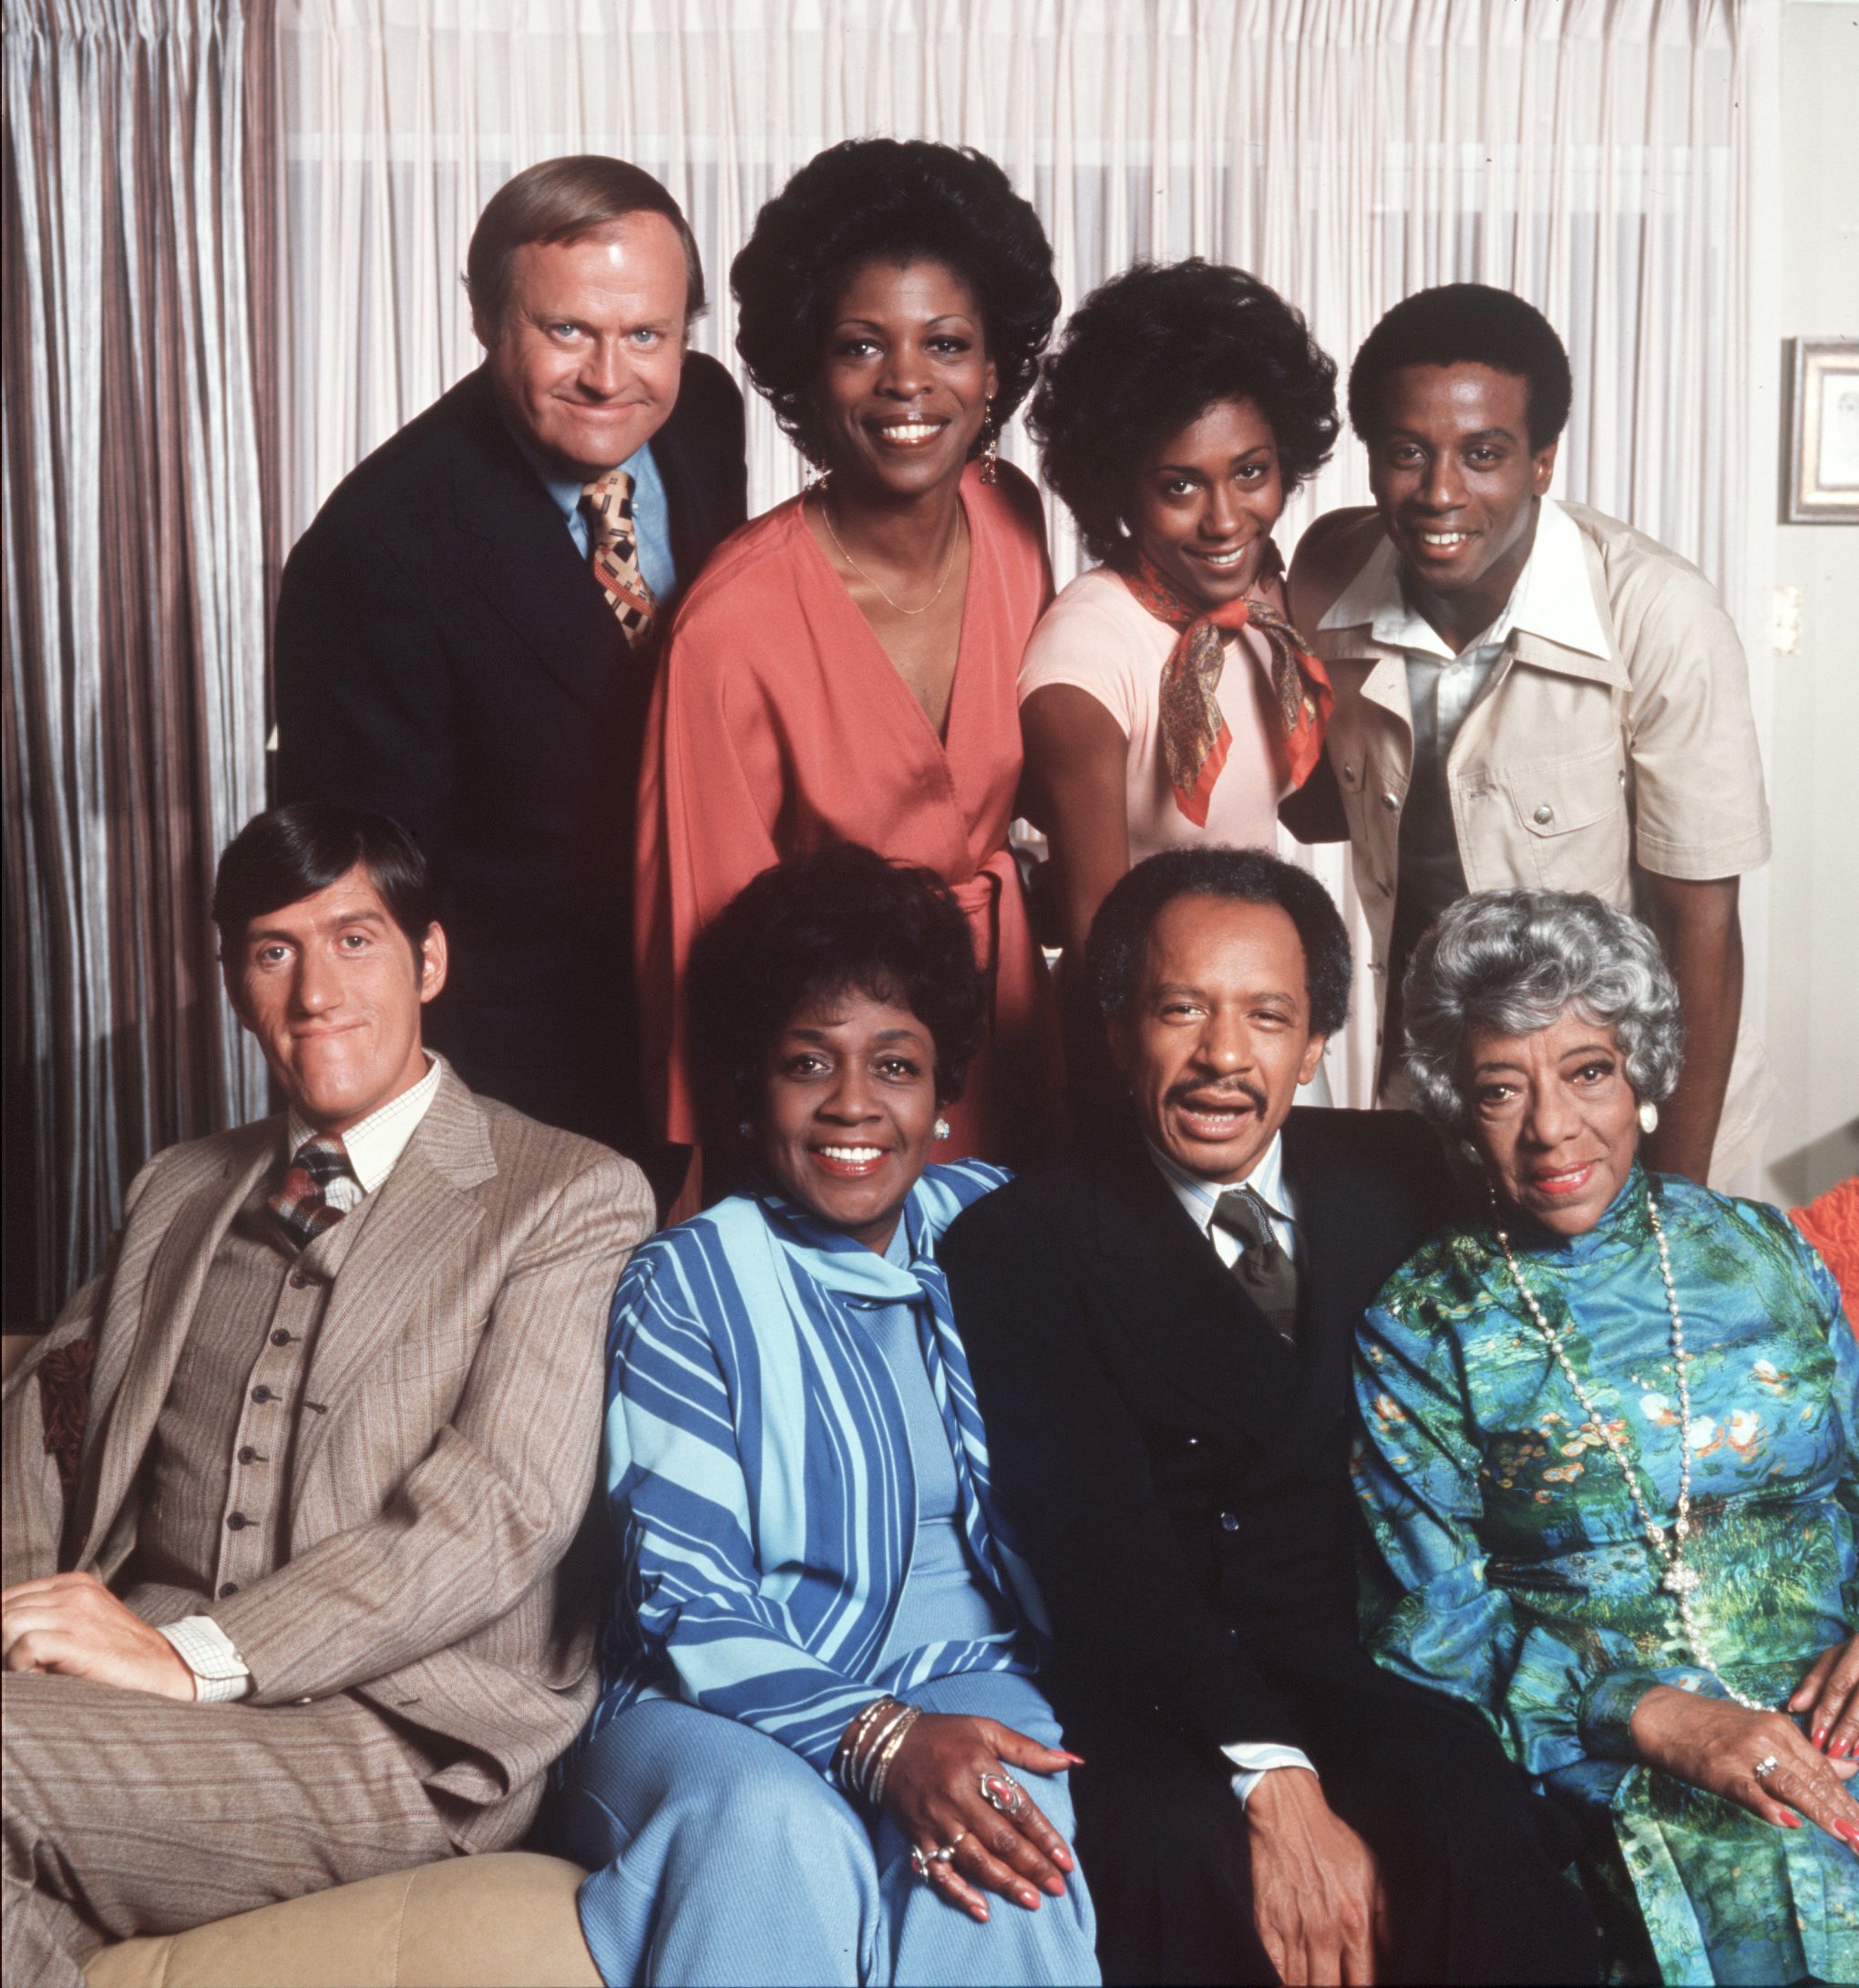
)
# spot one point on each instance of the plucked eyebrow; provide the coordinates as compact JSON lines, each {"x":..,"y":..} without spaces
{"x":1584,"y":1052}
{"x":928,"y":324}
{"x":1192,"y":469}
{"x":825,"y":1035}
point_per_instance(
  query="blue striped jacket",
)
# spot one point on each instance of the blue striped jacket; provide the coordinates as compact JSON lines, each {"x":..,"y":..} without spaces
{"x":757,"y":1469}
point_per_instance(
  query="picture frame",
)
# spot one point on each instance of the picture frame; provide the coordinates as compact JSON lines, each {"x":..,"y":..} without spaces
{"x":1821,"y":479}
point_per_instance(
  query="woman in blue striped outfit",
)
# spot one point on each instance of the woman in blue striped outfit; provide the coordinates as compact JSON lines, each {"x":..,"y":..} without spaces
{"x":819,"y":1696}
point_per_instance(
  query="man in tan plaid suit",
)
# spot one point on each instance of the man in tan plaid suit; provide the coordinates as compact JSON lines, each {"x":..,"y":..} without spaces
{"x":289,"y":1486}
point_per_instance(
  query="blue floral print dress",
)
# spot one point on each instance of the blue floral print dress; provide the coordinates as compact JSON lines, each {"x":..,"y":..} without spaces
{"x":1526,"y":1588}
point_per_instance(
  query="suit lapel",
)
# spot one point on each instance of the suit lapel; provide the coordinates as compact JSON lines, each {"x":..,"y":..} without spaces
{"x":414,"y":1231}
{"x":693,"y":528}
{"x":1178,"y":1301}
{"x":1321,"y":1190}
{"x":116,"y":1442}
{"x":530,"y":569}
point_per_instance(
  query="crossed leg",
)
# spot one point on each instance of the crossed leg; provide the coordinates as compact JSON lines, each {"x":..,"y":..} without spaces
{"x":126,"y":1813}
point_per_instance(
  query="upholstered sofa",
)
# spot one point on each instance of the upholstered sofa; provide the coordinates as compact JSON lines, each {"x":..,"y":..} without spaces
{"x":499,"y":1921}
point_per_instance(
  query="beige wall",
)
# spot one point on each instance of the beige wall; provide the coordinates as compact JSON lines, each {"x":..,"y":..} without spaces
{"x":1813,"y":888}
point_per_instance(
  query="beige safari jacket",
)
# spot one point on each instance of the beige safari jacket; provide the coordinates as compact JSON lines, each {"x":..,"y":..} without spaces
{"x":1572,"y":767}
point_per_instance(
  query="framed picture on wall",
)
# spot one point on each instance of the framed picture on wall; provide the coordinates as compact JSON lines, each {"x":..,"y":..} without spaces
{"x":1822,"y":482}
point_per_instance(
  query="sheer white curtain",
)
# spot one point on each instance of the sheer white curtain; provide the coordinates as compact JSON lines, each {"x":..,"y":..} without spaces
{"x":1592,"y":154}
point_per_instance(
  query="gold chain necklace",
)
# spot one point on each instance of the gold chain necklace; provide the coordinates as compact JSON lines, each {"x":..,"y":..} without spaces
{"x":897,"y":606}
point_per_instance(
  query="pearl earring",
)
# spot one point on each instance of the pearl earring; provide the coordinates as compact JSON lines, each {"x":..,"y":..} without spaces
{"x":1473,"y":1157}
{"x":1649,"y":1117}
{"x":941,"y":1129}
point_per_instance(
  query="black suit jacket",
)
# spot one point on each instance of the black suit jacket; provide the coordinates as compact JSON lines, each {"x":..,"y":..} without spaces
{"x":1174,"y":1471}
{"x":445,"y":655}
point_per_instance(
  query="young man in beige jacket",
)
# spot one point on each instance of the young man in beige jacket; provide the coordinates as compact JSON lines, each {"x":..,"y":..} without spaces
{"x":1531,"y":692}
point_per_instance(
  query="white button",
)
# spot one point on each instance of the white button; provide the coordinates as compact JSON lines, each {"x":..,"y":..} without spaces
{"x":1391,"y":800}
{"x":1545,"y":813}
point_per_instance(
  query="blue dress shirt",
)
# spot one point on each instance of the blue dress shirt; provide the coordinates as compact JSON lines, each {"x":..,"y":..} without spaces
{"x":652,"y":514}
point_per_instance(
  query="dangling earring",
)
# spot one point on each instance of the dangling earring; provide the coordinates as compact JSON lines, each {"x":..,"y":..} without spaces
{"x":818,"y":475}
{"x":1473,"y":1157}
{"x":1649,"y":1117}
{"x":941,"y":1129}
{"x":990,"y":449}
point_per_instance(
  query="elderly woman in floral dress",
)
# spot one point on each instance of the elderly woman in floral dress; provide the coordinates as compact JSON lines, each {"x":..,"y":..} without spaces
{"x":1609,"y":1461}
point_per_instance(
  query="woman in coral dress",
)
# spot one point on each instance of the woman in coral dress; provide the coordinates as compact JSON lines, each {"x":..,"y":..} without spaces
{"x":844,"y":669}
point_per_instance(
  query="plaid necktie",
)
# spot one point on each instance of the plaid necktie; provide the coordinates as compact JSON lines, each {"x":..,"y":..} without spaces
{"x":615,"y":556}
{"x":1263,"y":1271}
{"x":302,"y":1202}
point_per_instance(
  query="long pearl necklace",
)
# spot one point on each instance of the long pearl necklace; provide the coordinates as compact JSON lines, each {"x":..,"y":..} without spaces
{"x":1677,"y":1578}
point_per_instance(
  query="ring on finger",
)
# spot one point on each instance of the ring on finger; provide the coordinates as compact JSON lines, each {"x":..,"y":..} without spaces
{"x":924,"y":1861}
{"x":1001,"y":1792}
{"x":1765,"y":1767}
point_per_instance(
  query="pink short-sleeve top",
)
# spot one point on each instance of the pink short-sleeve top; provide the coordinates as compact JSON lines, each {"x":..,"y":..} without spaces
{"x":1097,"y":638}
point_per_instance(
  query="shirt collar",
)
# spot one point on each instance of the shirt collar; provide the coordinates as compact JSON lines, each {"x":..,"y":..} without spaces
{"x":1554,"y":597}
{"x":564,"y":487}
{"x":377,"y":1142}
{"x":1200,"y":1197}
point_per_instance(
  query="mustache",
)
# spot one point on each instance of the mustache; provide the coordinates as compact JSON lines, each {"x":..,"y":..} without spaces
{"x":1225,"y":1093}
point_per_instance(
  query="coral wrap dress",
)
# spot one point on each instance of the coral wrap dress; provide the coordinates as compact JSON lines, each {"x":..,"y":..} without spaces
{"x":779,"y":724}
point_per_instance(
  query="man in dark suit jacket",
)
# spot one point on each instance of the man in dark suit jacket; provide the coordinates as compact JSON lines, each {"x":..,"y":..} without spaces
{"x":466,"y":633}
{"x":1160,"y":1331}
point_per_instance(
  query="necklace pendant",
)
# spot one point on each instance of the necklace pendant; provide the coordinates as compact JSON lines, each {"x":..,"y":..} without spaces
{"x":1680,"y":1579}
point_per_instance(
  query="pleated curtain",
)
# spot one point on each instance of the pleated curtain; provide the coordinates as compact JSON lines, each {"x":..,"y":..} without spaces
{"x":1593,"y":155}
{"x":135,"y":604}
{"x":234,"y":245}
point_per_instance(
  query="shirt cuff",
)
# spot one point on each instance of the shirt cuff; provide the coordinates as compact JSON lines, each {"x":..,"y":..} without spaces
{"x":219,"y":1673}
{"x":1256,"y":1758}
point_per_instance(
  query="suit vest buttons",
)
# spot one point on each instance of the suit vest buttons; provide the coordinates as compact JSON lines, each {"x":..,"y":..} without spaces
{"x":300,"y":1280}
{"x":281,"y":1338}
{"x":261,"y":1394}
{"x":227,"y":1588}
{"x":236,"y":1521}
{"x":1229,"y":1521}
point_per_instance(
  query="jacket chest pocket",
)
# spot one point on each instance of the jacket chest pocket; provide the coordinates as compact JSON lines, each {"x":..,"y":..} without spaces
{"x":1372,"y":796}
{"x":1569,"y":827}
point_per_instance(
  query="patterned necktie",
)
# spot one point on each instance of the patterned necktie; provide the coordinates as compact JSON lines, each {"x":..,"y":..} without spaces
{"x":302,"y":1202}
{"x":1263,"y":1271}
{"x":615,"y":556}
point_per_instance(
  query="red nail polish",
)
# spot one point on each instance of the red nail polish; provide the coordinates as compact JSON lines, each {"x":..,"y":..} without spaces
{"x":1820,"y":1737}
{"x":1791,"y":1822}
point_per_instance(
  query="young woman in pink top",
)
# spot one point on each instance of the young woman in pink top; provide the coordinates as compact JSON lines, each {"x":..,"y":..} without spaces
{"x":1163,"y":698}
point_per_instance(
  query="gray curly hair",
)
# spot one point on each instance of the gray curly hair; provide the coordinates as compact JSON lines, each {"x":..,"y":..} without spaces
{"x":1512,"y":961}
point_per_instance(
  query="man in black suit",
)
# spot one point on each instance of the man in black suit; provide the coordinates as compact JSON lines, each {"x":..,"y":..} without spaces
{"x":466,"y":633}
{"x":1160,"y":1332}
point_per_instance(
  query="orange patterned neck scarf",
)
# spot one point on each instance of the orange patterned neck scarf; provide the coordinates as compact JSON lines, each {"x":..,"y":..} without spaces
{"x":1195,"y":737}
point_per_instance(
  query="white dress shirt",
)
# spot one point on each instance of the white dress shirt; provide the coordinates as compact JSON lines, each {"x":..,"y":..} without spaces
{"x":372,"y":1147}
{"x":1253,"y":1759}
